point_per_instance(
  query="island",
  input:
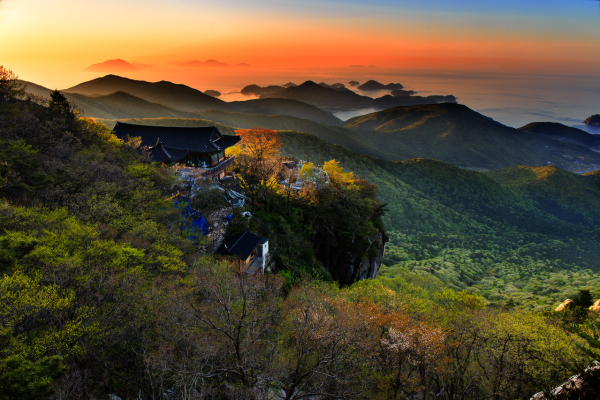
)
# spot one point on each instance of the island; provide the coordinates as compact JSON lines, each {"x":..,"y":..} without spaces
{"x":213,"y":93}
{"x":374,"y":85}
{"x":594,"y":120}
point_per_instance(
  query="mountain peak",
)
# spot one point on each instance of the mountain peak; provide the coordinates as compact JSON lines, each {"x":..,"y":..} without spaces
{"x":116,"y":65}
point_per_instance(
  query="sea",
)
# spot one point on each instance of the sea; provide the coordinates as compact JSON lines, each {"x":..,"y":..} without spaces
{"x":513,"y":99}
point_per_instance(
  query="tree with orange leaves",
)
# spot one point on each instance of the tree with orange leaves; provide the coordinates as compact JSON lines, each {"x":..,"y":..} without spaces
{"x":257,"y":166}
{"x":259,"y":143}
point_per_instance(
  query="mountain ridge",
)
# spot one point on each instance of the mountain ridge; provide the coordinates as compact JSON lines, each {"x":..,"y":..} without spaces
{"x":455,"y":134}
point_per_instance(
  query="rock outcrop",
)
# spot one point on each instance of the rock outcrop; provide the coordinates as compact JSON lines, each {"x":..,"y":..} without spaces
{"x":348,"y":261}
{"x":584,"y":386}
{"x":564,"y":305}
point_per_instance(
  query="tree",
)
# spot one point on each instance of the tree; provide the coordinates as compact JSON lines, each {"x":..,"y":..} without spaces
{"x":336,"y":172}
{"x":60,"y":107}
{"x":10,"y":87}
{"x":328,"y":344}
{"x":259,"y":143}
{"x":24,"y":379}
{"x":19,"y":170}
{"x":258,"y":167}
{"x":412,"y":354}
{"x":246,"y":169}
{"x":232,"y":314}
{"x":269,"y":170}
{"x":290,"y":176}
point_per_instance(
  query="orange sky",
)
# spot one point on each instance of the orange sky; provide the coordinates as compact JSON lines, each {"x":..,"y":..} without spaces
{"x":51,"y":42}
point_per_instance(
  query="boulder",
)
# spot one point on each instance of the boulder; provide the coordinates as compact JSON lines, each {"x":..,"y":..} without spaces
{"x":565,"y":304}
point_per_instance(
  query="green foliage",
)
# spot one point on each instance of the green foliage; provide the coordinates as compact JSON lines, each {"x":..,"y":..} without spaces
{"x":97,"y":276}
{"x":455,"y":134}
{"x":19,"y":173}
{"x":461,"y":229}
{"x":23,"y":379}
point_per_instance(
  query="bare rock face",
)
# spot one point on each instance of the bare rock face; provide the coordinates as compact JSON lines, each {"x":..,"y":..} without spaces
{"x":369,"y":267}
{"x":596,"y":306}
{"x":584,"y":386}
{"x":565,"y":304}
{"x":339,"y":256}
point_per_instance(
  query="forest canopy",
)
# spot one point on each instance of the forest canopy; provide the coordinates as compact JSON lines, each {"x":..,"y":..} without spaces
{"x":103,"y":293}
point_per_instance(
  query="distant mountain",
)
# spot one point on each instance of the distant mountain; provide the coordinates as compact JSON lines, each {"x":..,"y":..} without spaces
{"x":562,"y":132}
{"x":594,"y":120}
{"x":213,"y":93}
{"x":289,"y":84}
{"x":289,"y":107}
{"x":195,"y":63}
{"x":120,"y":105}
{"x":36,"y":89}
{"x":336,"y":86}
{"x":181,"y":98}
{"x":169,"y":94}
{"x":315,"y":94}
{"x":402,"y":93}
{"x":374,"y":85}
{"x":455,"y":134}
{"x":116,"y":65}
{"x":258,"y":90}
{"x":353,"y":83}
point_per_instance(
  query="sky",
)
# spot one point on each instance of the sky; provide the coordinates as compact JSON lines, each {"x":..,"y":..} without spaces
{"x":51,"y":42}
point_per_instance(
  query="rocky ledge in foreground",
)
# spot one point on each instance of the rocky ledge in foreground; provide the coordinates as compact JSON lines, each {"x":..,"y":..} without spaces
{"x":585,"y":386}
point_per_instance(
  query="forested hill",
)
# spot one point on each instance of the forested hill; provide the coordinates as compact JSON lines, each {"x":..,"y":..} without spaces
{"x":455,"y":134}
{"x":563,"y":132}
{"x":105,"y":98}
{"x":170,"y":94}
{"x":524,"y":236}
{"x":104,"y":292}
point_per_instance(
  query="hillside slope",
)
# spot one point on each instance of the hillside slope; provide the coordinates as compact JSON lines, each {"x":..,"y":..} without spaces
{"x":563,"y":132}
{"x":320,"y":96}
{"x":455,"y":134}
{"x":291,"y":107}
{"x":167,"y":93}
{"x":566,"y":195}
{"x":185,"y":98}
{"x":463,"y":229}
{"x":122,"y":105}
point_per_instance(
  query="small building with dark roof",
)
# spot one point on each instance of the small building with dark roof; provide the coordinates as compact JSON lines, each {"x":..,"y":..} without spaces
{"x":202,"y":148}
{"x":248,"y":249}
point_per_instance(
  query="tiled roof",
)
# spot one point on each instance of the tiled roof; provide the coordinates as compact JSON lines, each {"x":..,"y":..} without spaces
{"x":240,"y":245}
{"x":195,"y":140}
{"x":157,"y":153}
{"x":161,"y":153}
{"x":227,"y":141}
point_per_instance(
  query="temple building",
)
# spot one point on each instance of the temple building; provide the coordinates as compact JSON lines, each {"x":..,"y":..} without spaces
{"x":200,"y":149}
{"x":250,"y":251}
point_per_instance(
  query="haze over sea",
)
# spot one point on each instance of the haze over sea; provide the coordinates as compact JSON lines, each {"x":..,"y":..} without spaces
{"x":513,"y":99}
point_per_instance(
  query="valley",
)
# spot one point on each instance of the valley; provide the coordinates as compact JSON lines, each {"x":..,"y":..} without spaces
{"x":299,"y":200}
{"x":499,"y":214}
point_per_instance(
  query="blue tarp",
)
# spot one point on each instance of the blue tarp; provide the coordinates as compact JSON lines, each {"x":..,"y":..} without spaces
{"x":195,"y":219}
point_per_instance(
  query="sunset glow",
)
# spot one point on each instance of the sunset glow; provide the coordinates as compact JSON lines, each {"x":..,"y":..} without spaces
{"x":52,"y":42}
